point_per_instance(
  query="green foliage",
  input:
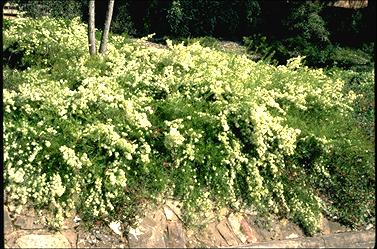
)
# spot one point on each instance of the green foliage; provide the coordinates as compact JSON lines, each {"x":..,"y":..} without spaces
{"x":306,"y":22}
{"x":260,"y":48}
{"x":362,"y":83}
{"x":198,"y":18}
{"x":122,"y":22}
{"x":278,"y":52}
{"x":348,"y":58}
{"x":44,"y":43}
{"x":66,"y":9}
{"x":175,"y":18}
{"x":205,"y":41}
{"x":212,"y":129}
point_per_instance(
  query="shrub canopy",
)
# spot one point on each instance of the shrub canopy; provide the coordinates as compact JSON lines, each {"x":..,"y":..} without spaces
{"x":211,"y":128}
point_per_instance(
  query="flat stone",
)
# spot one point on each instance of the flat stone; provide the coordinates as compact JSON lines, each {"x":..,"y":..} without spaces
{"x":324,"y":226}
{"x":348,"y":239}
{"x":147,"y":234}
{"x":115,"y":226}
{"x":11,"y":238}
{"x":24,"y":222}
{"x":251,"y":236}
{"x":176,"y":236}
{"x":211,"y":237}
{"x":175,"y":206}
{"x":43,"y":241}
{"x":159,"y":217}
{"x":292,"y":236}
{"x":227,"y":234}
{"x":71,"y":237}
{"x":259,"y":231}
{"x":8,"y":227}
{"x":169,"y":214}
{"x":234,"y":222}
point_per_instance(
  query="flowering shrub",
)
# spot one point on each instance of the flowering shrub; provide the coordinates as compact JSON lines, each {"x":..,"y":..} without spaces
{"x":207,"y":127}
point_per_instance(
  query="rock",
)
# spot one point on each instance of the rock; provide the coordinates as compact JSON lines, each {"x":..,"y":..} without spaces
{"x":71,"y":236}
{"x":85,"y":239}
{"x":284,"y":222}
{"x":175,"y":206}
{"x":249,"y":212}
{"x":147,"y":234}
{"x":251,"y":237}
{"x":70,"y":222}
{"x":210,"y":237}
{"x":227,"y":234}
{"x":292,"y":236}
{"x":190,"y":238}
{"x":8,"y":227}
{"x":160,"y":219}
{"x":256,"y":224}
{"x":336,"y":227}
{"x":11,"y":238}
{"x":234,"y":222}
{"x":100,"y":236}
{"x":169,"y":214}
{"x":288,"y":229}
{"x":43,"y":241}
{"x":115,"y":227}
{"x":324,"y":226}
{"x":176,"y":236}
{"x":24,"y":222}
{"x":368,"y":227}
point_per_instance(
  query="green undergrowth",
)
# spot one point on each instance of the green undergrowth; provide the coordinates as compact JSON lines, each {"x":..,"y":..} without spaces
{"x":103,"y":134}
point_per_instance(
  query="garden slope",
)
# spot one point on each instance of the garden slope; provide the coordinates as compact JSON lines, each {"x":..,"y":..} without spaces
{"x":99,"y":134}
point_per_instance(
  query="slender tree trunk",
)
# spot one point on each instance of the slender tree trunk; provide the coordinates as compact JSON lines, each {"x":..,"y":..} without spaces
{"x":92,"y":28}
{"x":106,"y":29}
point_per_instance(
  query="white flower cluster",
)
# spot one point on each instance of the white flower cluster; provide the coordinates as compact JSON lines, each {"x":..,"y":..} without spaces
{"x":216,"y":113}
{"x":174,"y":138}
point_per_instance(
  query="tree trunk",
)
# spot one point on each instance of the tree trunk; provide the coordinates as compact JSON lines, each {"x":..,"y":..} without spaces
{"x":92,"y":28}
{"x":106,"y":29}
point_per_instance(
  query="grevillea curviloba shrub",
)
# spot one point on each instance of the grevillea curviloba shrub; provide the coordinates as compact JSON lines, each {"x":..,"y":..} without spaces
{"x":213,"y":129}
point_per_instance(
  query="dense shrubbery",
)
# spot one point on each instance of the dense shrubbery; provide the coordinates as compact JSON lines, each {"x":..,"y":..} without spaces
{"x":213,"y":129}
{"x":58,"y":8}
{"x":278,"y":52}
{"x":214,"y":18}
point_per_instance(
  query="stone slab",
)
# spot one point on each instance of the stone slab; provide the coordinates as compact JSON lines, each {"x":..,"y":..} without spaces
{"x":227,"y":234}
{"x":43,"y":241}
{"x":340,"y":240}
{"x":251,"y":236}
{"x":234,"y":220}
{"x":8,"y":227}
{"x":147,"y":234}
{"x":176,"y":236}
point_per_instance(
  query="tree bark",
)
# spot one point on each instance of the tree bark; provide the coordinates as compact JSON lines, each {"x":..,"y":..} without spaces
{"x":106,"y":29}
{"x":92,"y":28}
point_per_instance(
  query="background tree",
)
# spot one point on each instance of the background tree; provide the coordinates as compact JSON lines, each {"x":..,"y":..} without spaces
{"x":106,"y":29}
{"x":91,"y":28}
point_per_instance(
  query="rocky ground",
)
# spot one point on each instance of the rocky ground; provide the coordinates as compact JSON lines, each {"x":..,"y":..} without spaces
{"x":159,"y":227}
